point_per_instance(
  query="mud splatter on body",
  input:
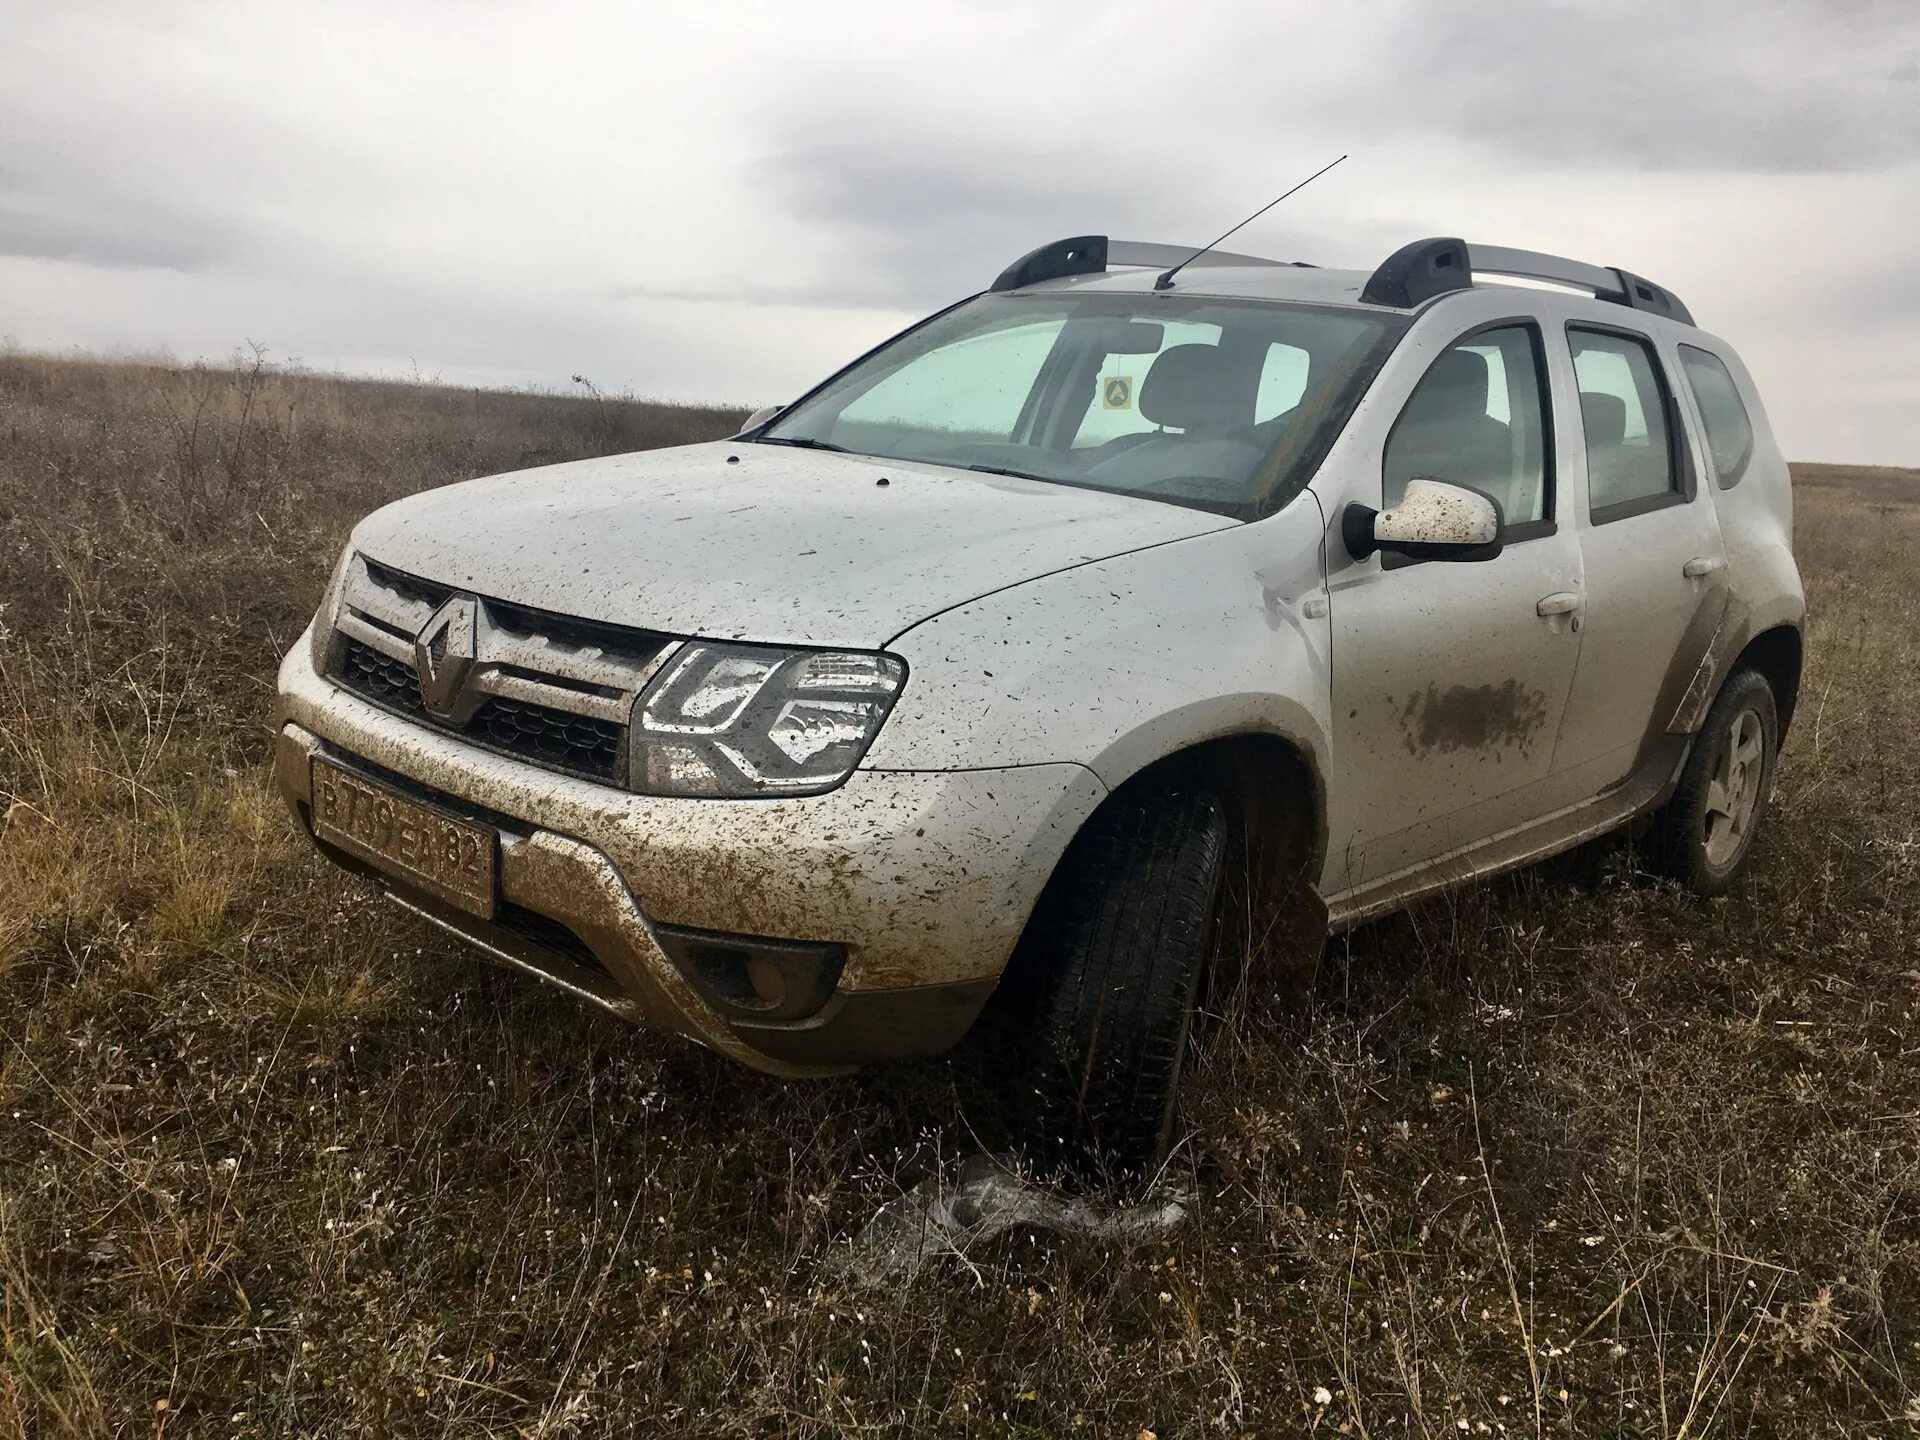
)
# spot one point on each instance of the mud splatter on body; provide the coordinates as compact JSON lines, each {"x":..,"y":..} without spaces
{"x":1507,"y":716}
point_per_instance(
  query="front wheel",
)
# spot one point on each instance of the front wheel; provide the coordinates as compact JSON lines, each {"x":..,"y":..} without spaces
{"x":1127,"y":931}
{"x":1704,"y":835}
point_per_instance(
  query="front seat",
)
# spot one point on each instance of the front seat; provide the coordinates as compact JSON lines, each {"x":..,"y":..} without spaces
{"x":1446,"y":432}
{"x":1194,"y":389}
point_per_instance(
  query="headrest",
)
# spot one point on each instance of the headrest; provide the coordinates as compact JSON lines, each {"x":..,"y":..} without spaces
{"x":1190,"y":387}
{"x":1605,"y":418}
{"x":1454,"y":389}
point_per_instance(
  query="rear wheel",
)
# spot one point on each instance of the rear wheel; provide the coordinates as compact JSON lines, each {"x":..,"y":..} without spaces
{"x":1126,"y":934}
{"x":1704,"y":835}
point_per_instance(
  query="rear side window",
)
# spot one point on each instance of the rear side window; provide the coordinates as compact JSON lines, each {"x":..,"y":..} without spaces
{"x":1478,"y":418}
{"x":1729,"y":431}
{"x":1623,"y":410}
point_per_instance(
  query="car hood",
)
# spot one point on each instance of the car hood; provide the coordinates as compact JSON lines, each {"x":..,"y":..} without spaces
{"x":758,"y":542}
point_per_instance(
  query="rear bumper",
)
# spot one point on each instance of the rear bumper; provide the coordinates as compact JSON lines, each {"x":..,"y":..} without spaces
{"x":926,"y":880}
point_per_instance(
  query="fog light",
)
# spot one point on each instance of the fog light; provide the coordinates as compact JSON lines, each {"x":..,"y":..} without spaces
{"x":753,"y":979}
{"x":768,"y":980}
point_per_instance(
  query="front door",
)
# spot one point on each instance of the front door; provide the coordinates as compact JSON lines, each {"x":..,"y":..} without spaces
{"x":1655,"y":565}
{"x":1450,"y":678}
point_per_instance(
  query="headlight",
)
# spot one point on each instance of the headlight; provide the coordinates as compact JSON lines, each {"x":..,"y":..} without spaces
{"x":738,"y":720}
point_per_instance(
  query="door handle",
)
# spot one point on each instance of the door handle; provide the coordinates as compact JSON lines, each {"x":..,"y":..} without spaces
{"x":1561,"y":602}
{"x":1701,"y":565}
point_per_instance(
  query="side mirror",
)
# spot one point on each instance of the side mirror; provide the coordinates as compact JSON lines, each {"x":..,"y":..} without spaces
{"x":761,"y":417}
{"x":1435,"y":520}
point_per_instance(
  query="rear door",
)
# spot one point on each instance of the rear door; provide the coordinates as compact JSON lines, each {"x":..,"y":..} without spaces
{"x":1650,"y":545}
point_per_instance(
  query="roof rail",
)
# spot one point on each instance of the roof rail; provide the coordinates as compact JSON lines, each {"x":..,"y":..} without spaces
{"x":1092,"y":254}
{"x":1426,"y":268}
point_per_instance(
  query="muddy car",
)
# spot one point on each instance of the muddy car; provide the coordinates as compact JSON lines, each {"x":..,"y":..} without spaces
{"x":1095,"y":631}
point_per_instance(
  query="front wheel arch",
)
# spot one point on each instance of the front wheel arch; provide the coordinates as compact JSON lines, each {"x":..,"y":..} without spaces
{"x":1272,"y":780}
{"x":1273,"y":795}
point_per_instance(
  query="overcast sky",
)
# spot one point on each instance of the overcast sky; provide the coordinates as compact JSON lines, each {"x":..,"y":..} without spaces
{"x":721,"y":202}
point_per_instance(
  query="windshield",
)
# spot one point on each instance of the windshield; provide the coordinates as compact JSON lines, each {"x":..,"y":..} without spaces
{"x":1222,"y":405}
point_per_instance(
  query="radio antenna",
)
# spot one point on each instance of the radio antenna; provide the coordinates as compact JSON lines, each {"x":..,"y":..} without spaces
{"x":1165,"y":282}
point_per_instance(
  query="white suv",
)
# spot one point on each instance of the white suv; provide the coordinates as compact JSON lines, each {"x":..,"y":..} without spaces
{"x":1116,"y":618}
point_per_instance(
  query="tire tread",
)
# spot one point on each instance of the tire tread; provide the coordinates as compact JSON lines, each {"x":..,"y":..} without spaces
{"x":1132,"y":918}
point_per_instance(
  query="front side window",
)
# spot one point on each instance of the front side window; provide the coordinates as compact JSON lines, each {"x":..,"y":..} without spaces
{"x":1623,"y":411}
{"x":1729,"y":430}
{"x":1218,"y":404}
{"x":1478,"y":417}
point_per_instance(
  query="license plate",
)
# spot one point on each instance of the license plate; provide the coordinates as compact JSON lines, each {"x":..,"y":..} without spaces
{"x":450,"y":859}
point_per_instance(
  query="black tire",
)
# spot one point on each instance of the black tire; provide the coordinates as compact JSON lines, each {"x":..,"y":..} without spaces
{"x":1693,"y":838}
{"x":1127,"y":931}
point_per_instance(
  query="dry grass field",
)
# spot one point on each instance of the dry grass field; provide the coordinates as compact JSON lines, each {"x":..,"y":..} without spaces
{"x":1568,"y":1154}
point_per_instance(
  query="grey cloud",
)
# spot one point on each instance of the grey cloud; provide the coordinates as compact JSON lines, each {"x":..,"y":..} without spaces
{"x":916,"y":214}
{"x":1882,"y":301}
{"x":126,"y":239}
{"x":1757,"y":87}
{"x":917,"y":222}
{"x":88,"y":203}
{"x":910,"y":230}
{"x":841,"y":294}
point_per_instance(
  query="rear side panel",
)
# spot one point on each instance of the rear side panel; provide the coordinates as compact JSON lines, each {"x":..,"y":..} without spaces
{"x":1756,"y":527}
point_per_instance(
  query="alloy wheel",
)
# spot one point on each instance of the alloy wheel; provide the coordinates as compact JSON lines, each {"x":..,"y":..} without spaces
{"x":1733,"y":794}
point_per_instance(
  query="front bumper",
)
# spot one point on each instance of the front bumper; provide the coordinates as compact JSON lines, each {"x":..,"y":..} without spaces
{"x":926,"y":878}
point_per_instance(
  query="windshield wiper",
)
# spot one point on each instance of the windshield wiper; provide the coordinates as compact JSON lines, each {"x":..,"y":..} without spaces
{"x":1004,"y":470}
{"x":801,"y":442}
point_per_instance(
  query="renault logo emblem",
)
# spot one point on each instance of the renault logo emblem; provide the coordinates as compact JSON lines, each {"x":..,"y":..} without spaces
{"x":443,"y":655}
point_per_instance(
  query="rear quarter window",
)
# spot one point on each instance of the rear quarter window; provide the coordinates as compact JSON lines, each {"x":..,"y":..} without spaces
{"x":1729,"y":429}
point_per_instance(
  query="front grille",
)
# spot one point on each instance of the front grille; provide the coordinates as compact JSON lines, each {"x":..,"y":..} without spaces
{"x":552,"y":690}
{"x":381,"y":678}
{"x":552,"y":737}
{"x":576,"y":744}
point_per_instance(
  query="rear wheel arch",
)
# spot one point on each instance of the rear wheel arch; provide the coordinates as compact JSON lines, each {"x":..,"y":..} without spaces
{"x":1776,"y":656}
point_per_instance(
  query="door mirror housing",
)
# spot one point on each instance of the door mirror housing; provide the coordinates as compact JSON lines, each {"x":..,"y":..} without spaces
{"x":761,"y":417}
{"x":1435,"y":520}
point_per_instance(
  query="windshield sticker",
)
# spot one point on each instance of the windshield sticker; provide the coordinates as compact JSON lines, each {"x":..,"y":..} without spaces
{"x":1116,"y":392}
